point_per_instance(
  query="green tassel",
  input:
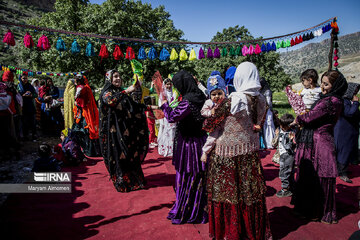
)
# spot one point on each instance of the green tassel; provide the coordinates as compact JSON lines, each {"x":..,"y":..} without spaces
{"x":224,"y":52}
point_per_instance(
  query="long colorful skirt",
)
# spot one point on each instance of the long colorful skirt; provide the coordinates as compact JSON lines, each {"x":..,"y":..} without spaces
{"x":236,"y":198}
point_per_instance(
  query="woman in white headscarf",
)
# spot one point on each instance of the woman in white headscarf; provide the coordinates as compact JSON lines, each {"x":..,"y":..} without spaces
{"x":166,"y":130}
{"x":236,"y":186}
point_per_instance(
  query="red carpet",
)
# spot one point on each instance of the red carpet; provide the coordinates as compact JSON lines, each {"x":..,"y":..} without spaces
{"x":94,"y":210}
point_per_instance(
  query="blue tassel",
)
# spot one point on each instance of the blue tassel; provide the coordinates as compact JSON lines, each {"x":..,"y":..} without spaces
{"x":152,"y":54}
{"x":263,"y":48}
{"x":273,"y":46}
{"x":141,"y":54}
{"x":164,"y":55}
{"x":75,"y":48}
{"x":268,"y":47}
{"x":60,"y":45}
{"x":89,"y":51}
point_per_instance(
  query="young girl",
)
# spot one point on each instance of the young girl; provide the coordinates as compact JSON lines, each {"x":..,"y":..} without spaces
{"x":166,"y":130}
{"x":44,"y":93}
{"x":308,"y":96}
{"x":216,"y":88}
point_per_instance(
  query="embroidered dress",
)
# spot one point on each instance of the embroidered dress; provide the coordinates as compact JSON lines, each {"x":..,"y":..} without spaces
{"x":124,"y":139}
{"x":236,"y":186}
{"x":166,"y":132}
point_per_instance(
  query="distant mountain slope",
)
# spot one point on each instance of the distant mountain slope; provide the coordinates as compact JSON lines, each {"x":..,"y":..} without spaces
{"x":315,"y":55}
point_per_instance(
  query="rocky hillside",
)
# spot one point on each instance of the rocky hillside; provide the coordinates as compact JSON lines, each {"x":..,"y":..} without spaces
{"x":315,"y":55}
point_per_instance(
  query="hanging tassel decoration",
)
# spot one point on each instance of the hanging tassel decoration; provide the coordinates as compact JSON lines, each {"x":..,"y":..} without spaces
{"x":251,"y":50}
{"x":224,"y":52}
{"x":174,"y":55}
{"x":209,"y":53}
{"x":28,"y":41}
{"x":257,"y":49}
{"x":245,"y":50}
{"x":201,"y":54}
{"x":60,"y":45}
{"x":292,"y":42}
{"x":232,"y":52}
{"x":263,"y":47}
{"x":75,"y":47}
{"x":130,"y":54}
{"x":238,"y":51}
{"x":183,"y":55}
{"x":152,"y":54}
{"x":104,"y":53}
{"x":89,"y":51}
{"x":9,"y":38}
{"x":43,"y":43}
{"x":164,"y":54}
{"x":288,"y":43}
{"x":118,"y":54}
{"x":142,"y":54}
{"x":216,"y":53}
{"x":192,"y":55}
{"x":273,"y":46}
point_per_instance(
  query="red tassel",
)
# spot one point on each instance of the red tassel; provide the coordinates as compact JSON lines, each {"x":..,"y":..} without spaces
{"x":103,"y":51}
{"x":297,"y":40}
{"x":335,"y":51}
{"x":43,"y":43}
{"x":28,"y":41}
{"x":117,"y":53}
{"x":130,"y":54}
{"x":336,"y":64}
{"x":292,"y":42}
{"x":336,"y":57}
{"x":300,"y":39}
{"x":9,"y":38}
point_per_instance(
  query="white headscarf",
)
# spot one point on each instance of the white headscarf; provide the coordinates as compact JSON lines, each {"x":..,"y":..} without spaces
{"x":246,"y":81}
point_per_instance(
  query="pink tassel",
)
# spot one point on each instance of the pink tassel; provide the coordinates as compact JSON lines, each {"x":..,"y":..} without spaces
{"x":336,"y":64}
{"x":28,"y":41}
{"x":43,"y":43}
{"x":336,"y":58}
{"x":257,"y":49}
{"x":245,"y":50}
{"x":335,"y":51}
{"x":251,"y":50}
{"x":9,"y":38}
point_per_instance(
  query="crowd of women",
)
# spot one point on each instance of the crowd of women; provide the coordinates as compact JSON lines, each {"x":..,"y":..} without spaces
{"x":213,"y":135}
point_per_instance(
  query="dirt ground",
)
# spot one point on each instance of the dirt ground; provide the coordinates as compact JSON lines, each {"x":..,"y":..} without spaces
{"x":16,"y":171}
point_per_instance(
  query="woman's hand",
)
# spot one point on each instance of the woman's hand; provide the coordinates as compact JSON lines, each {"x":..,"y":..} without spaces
{"x":130,"y":89}
{"x":294,"y":123}
{"x":203,"y":157}
{"x":355,"y":98}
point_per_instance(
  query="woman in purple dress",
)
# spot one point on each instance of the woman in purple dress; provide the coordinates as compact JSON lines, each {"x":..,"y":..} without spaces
{"x":189,"y":139}
{"x":314,"y":195}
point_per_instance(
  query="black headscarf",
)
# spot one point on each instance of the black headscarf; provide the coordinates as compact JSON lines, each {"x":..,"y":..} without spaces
{"x":185,"y":83}
{"x":351,"y":90}
{"x":338,"y":88}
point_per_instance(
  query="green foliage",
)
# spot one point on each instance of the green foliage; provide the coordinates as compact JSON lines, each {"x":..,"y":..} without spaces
{"x":281,"y":104}
{"x":131,"y":19}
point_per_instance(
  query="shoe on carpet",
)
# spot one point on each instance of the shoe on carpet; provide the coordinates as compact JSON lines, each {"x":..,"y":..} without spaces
{"x":346,"y":179}
{"x":284,"y":193}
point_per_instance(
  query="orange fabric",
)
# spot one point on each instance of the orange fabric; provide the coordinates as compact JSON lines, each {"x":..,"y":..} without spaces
{"x":90,"y":111}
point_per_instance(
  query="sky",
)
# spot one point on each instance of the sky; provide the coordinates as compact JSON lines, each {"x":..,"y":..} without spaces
{"x":200,"y":20}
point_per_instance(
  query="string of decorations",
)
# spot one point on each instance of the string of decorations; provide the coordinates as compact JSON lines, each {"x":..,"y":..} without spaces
{"x":19,"y":71}
{"x":244,"y":48}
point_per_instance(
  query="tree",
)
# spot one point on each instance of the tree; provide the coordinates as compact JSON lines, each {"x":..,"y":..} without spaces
{"x":115,"y":18}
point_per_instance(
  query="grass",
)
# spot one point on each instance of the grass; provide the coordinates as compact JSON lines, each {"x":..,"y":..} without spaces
{"x":281,"y":104}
